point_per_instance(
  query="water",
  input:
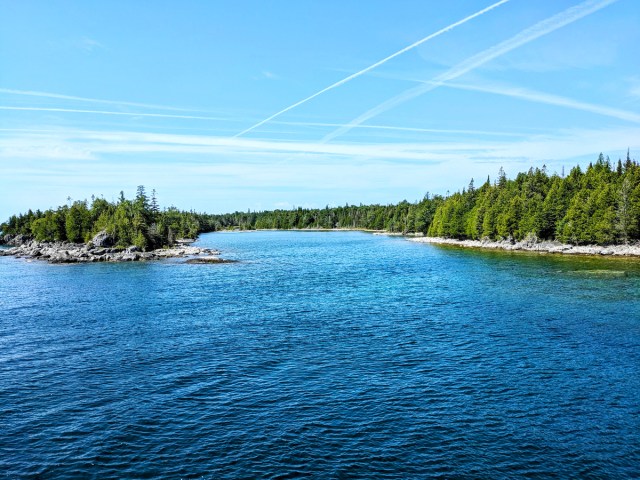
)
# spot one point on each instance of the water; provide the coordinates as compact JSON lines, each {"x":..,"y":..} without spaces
{"x":328,"y":355}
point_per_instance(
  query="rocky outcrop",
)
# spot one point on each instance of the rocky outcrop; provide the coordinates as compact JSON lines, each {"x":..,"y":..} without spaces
{"x":15,"y":240}
{"x":102,"y":239}
{"x":531,"y":244}
{"x":63,"y":252}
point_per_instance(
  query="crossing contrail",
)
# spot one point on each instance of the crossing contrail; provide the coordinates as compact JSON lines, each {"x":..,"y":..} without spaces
{"x":527,"y":35}
{"x":377,"y":64}
{"x":549,"y":99}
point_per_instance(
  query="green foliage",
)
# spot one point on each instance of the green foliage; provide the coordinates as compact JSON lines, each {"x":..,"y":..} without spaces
{"x":136,"y":222}
{"x":404,"y":217}
{"x":600,"y":205}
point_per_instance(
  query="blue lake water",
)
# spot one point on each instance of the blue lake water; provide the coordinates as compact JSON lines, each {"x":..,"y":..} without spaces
{"x":327,"y":355}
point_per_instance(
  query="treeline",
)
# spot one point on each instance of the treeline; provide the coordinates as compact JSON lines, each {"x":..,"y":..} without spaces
{"x":137,"y":222}
{"x":403,"y":217}
{"x":598,"y":206}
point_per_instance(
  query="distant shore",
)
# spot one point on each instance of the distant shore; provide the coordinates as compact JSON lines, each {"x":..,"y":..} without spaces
{"x":527,"y":245}
{"x":535,"y":246}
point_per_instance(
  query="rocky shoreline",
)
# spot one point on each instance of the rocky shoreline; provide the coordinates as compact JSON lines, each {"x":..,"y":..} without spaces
{"x":533,"y":245}
{"x":95,"y":251}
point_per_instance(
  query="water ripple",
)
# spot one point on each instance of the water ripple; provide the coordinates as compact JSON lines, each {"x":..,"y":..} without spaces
{"x":321,"y":355}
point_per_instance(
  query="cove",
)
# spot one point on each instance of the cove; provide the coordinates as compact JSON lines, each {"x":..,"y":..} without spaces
{"x":323,"y":354}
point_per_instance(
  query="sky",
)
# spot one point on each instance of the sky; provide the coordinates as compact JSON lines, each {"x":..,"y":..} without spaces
{"x":229,"y":105}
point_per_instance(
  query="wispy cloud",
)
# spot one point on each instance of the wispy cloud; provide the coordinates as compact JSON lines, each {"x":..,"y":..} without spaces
{"x":406,"y":129}
{"x":527,"y":35}
{"x":549,"y":99}
{"x":224,"y":173}
{"x":31,"y":93}
{"x":229,"y":119}
{"x":107,"y":112}
{"x":634,"y":89}
{"x":204,"y":149}
{"x":375,"y":65}
{"x":89,"y":44}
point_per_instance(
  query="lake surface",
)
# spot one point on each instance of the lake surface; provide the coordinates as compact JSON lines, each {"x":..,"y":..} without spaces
{"x":328,"y":355}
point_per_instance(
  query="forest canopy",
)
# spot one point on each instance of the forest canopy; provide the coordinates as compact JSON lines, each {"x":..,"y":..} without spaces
{"x":137,"y":222}
{"x":600,"y":205}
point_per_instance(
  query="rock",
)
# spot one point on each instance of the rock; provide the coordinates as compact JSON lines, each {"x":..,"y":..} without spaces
{"x":130,"y":257}
{"x":209,"y":260}
{"x":64,"y":252}
{"x":17,"y":240}
{"x":102,"y":239}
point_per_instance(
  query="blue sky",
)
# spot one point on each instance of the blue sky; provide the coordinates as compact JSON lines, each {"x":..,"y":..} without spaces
{"x":98,"y":97}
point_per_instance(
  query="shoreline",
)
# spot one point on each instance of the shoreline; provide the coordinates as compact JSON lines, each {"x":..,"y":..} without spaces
{"x":64,"y":252}
{"x":545,"y":247}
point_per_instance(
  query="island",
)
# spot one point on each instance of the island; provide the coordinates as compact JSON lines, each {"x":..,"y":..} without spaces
{"x":103,"y":231}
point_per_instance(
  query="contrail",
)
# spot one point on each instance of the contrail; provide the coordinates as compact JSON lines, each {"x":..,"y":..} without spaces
{"x":550,"y":99}
{"x":31,"y":93}
{"x":403,"y":129}
{"x":106,"y":112}
{"x":544,"y":27}
{"x":377,"y":64}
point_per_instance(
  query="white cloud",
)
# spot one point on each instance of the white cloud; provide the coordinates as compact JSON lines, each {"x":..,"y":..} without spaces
{"x":202,"y":150}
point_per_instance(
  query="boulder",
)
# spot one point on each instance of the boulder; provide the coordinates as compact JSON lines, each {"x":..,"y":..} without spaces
{"x":17,"y":240}
{"x":130,"y":257}
{"x":102,"y":239}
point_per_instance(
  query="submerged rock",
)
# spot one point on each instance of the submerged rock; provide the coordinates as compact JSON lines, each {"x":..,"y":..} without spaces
{"x":208,"y":260}
{"x":600,"y":273}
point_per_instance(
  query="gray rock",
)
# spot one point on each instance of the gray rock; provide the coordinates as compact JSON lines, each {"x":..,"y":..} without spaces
{"x":65,"y":252}
{"x":16,"y":240}
{"x":130,"y":257}
{"x":102,"y":239}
